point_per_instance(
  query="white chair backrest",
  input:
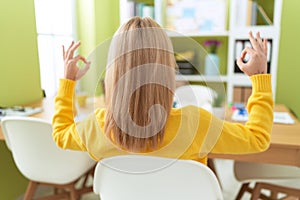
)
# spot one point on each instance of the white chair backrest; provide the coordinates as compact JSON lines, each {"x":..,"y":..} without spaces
{"x":197,"y":95}
{"x":36,"y":154}
{"x":133,"y":177}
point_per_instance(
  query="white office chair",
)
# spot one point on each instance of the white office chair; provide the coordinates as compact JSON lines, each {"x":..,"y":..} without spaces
{"x":197,"y":95}
{"x":42,"y":162}
{"x":134,"y":177}
{"x":277,"y":179}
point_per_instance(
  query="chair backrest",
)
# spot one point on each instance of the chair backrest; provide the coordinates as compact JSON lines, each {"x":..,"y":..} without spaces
{"x":36,"y":154}
{"x":135,"y":177}
{"x":197,"y":95}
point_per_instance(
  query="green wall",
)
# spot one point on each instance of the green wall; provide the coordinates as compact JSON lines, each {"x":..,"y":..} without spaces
{"x":19,"y":69}
{"x":288,"y":74}
{"x":12,"y":183}
{"x":97,"y":22}
{"x":20,"y":78}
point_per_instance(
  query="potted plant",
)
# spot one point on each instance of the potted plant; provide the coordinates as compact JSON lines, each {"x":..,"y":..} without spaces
{"x":212,"y":63}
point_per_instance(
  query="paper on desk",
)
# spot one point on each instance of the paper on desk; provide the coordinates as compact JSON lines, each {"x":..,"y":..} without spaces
{"x":283,"y":118}
{"x":26,"y":111}
{"x":279,"y":117}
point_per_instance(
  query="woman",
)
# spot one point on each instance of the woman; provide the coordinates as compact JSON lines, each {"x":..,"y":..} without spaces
{"x":139,"y":118}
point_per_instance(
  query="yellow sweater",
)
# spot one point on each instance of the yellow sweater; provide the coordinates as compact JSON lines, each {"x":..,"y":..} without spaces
{"x":191,"y":132}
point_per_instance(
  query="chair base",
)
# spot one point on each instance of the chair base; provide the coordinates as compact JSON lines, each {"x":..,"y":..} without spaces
{"x":64,"y":191}
{"x":291,"y":194}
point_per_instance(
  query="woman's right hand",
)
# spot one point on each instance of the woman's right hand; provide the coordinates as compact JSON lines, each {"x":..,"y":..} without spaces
{"x":257,"y":63}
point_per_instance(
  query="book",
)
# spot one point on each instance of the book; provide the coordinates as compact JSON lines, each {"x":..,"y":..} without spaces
{"x":241,"y":93}
{"x":241,"y":17}
{"x":160,"y":12}
{"x":148,"y":11}
{"x":139,"y":9}
{"x":127,"y":11}
{"x":239,"y":46}
{"x":254,"y":14}
{"x":251,"y":13}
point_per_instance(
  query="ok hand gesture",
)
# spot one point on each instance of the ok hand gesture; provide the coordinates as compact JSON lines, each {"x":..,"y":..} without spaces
{"x":257,"y":63}
{"x":72,"y":71}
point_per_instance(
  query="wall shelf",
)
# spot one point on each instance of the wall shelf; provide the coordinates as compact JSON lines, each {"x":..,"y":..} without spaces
{"x":237,"y":15}
{"x":198,"y":34}
{"x":202,"y":78}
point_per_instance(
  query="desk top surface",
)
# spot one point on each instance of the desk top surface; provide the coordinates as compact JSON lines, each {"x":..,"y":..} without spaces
{"x":287,"y":135}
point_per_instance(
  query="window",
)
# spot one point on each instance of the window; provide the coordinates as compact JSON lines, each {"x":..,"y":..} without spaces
{"x":55,"y":20}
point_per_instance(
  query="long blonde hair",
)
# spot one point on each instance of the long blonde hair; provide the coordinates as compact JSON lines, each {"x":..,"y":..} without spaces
{"x":139,"y":85}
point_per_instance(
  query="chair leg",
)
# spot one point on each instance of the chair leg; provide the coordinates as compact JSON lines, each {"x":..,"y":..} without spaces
{"x":290,"y":198}
{"x":274,"y":194}
{"x":243,"y":189}
{"x":62,"y":191}
{"x":73,"y":193}
{"x":58,"y":190}
{"x":31,"y":188}
{"x":290,"y":192}
{"x":256,"y":192}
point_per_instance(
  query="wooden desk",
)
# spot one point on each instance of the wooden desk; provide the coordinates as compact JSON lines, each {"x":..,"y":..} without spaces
{"x":284,"y":148}
{"x":48,"y":109}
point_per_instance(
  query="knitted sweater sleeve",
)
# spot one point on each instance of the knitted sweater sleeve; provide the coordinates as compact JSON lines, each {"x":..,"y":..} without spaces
{"x":254,"y":136}
{"x":65,"y":132}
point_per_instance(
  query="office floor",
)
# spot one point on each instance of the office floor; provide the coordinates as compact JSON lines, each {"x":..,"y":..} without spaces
{"x":230,"y":185}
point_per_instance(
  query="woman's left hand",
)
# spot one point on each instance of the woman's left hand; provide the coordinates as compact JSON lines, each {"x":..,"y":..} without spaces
{"x":72,"y":71}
